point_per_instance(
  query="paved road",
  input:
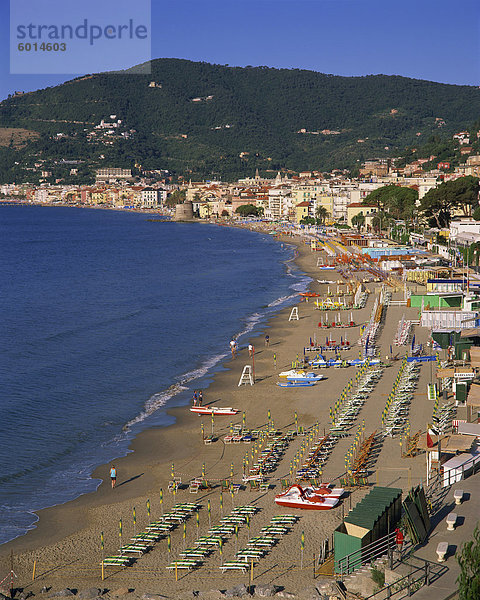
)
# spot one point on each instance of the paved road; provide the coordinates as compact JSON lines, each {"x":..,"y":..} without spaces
{"x":468,"y":515}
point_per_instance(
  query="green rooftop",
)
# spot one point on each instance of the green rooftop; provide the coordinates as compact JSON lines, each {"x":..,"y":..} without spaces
{"x":367,"y":512}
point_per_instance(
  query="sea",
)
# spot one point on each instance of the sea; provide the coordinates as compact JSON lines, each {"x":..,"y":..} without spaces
{"x":108,"y":319}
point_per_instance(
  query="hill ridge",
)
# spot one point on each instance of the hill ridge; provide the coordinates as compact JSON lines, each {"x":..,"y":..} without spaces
{"x":254,"y":117}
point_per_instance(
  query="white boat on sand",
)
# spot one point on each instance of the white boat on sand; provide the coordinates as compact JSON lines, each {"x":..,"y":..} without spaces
{"x":214,"y":410}
{"x":299,"y":375}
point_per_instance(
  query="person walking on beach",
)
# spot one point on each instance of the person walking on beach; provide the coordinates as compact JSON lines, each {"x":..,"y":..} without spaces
{"x":113,"y":476}
{"x":267,"y":340}
{"x":233,"y":348}
{"x":250,"y":350}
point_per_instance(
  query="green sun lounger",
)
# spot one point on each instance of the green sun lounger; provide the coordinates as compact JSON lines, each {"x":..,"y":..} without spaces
{"x":184,"y":564}
{"x":118,"y":560}
{"x":234,"y":565}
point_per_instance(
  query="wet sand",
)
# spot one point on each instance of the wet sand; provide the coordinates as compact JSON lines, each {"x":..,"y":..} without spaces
{"x":66,"y":542}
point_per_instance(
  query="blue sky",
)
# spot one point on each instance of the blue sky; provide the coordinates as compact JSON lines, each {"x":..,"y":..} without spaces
{"x":424,"y":39}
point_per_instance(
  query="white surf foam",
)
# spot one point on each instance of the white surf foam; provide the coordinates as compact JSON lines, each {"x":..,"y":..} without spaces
{"x":160,"y":399}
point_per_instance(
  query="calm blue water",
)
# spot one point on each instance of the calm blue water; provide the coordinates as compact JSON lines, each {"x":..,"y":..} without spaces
{"x":106,"y":319}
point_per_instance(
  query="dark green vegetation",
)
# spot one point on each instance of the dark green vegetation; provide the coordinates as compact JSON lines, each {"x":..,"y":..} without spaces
{"x":469,"y":560}
{"x":440,"y":203}
{"x":249,"y":210}
{"x":253,"y":112}
{"x":393,"y":202}
{"x":459,"y":196}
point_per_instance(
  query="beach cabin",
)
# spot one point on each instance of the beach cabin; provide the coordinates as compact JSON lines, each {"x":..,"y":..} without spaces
{"x":373,"y":517}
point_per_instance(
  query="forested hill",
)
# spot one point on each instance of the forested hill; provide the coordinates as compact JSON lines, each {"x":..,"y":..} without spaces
{"x":200,"y":118}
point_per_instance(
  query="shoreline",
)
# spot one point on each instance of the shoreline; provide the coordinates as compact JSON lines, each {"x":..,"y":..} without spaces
{"x":40,"y":532}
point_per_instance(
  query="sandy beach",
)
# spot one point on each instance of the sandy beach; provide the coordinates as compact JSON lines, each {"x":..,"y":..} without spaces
{"x":65,"y":546}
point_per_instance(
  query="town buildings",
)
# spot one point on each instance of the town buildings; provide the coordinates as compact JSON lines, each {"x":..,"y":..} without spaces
{"x":310,"y":194}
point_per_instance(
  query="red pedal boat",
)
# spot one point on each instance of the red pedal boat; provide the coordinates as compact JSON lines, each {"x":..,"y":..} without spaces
{"x":297,"y":497}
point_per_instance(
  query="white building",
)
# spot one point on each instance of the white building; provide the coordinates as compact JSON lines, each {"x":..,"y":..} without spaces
{"x":464,"y":231}
{"x":279,"y":203}
{"x":150,"y":198}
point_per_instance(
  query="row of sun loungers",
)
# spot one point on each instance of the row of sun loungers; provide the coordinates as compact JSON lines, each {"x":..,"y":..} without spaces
{"x":271,"y":455}
{"x":395,"y":415}
{"x":193,"y":557}
{"x":442,"y":417}
{"x":357,"y":465}
{"x":317,"y":457}
{"x":144,"y":541}
{"x":350,"y":409}
{"x":261,"y":544}
{"x":404,"y":331}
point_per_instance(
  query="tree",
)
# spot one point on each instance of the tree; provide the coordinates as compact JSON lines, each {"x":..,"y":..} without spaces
{"x":358,"y":221}
{"x":247,"y":210}
{"x":381,"y":219}
{"x":398,"y":201}
{"x":321,"y":213}
{"x":176,"y":197}
{"x":469,"y":560}
{"x":439,"y":203}
{"x":307,"y":221}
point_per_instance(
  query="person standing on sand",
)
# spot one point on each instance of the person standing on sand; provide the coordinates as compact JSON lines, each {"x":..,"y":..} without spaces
{"x":233,"y":348}
{"x":195,"y":398}
{"x":113,"y":476}
{"x":200,"y":398}
{"x":250,"y":350}
{"x":267,"y":340}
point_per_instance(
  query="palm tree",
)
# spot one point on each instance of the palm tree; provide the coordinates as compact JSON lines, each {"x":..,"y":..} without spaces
{"x":358,"y":220}
{"x":321,"y":213}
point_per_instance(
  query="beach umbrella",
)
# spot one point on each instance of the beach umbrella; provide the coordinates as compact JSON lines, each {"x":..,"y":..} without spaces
{"x":221,"y":502}
{"x":231,"y":470}
{"x":184,"y":535}
{"x":203,"y":469}
{"x":173,"y":471}
{"x":148,"y":510}
{"x":102,"y":544}
{"x":269,"y":415}
{"x":197,"y":521}
{"x":120,"y":534}
{"x":134,"y":520}
{"x":169,"y":543}
{"x":161,"y":499}
{"x":203,"y":431}
{"x":213,"y":422}
{"x":209,"y":510}
{"x":275,"y":360}
{"x":244,"y":420}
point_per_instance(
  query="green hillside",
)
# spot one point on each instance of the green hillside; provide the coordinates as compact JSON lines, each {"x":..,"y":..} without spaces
{"x":254,"y":110}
